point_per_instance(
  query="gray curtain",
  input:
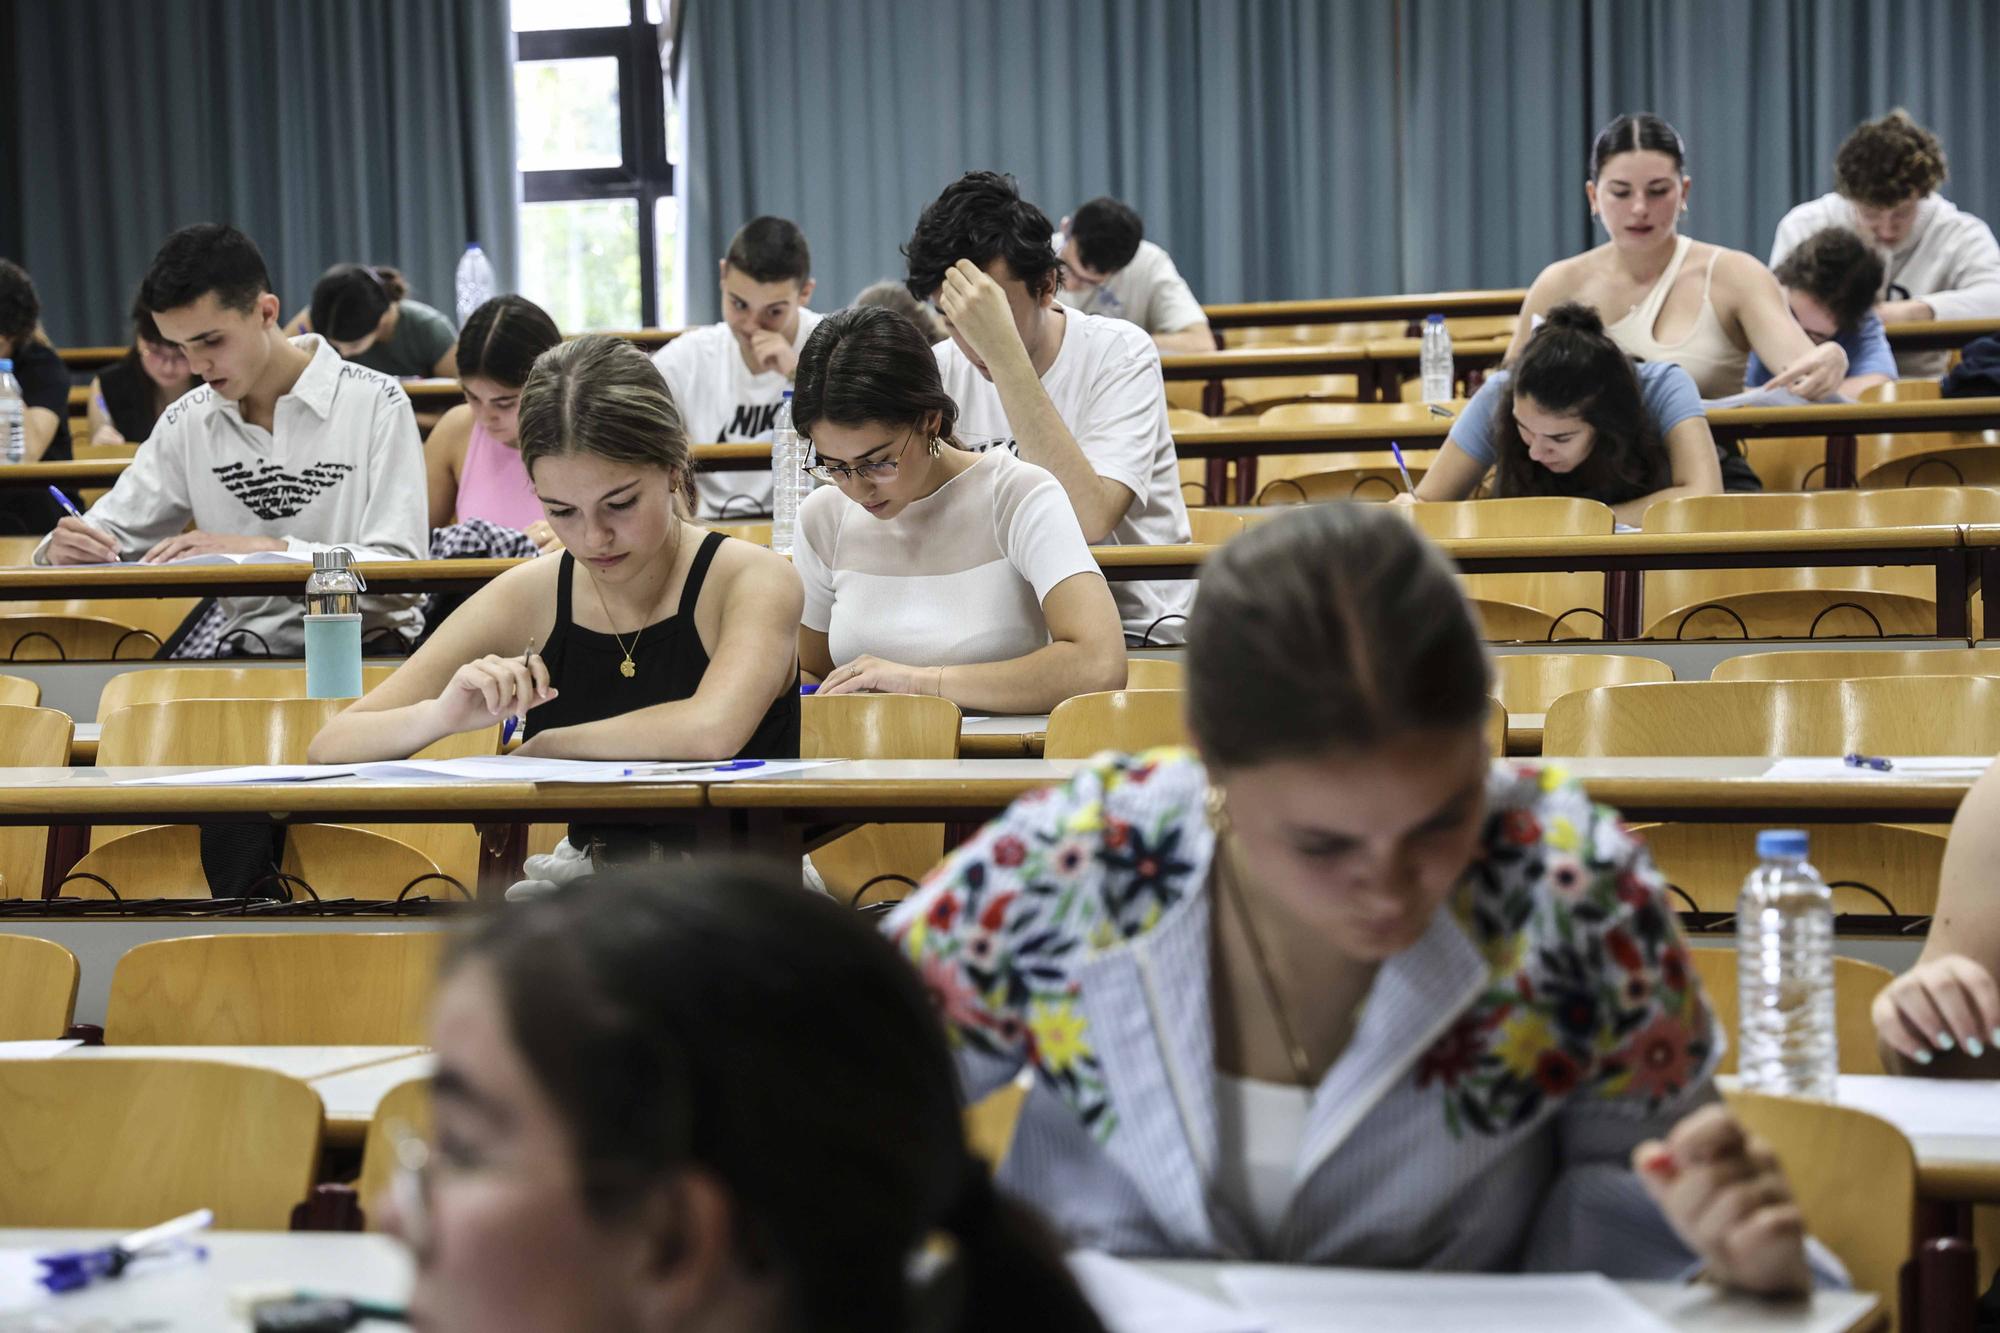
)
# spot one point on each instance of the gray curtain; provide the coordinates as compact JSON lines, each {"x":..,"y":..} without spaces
{"x":849,"y":118}
{"x":1294,"y":148}
{"x":329,"y":130}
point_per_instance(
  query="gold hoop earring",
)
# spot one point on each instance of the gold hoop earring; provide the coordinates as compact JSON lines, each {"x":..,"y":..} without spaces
{"x":1215,"y":803}
{"x":936,"y":446}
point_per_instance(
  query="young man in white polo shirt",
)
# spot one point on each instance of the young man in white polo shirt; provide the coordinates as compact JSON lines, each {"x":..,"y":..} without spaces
{"x":1110,"y":268}
{"x":729,"y":379}
{"x":1076,"y":394}
{"x":286,"y":447}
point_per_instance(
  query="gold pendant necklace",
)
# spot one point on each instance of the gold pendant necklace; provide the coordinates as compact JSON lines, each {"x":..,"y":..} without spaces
{"x":628,"y":668}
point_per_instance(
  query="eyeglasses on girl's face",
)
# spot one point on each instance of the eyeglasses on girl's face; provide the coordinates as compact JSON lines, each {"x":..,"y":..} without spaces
{"x":881,"y":470}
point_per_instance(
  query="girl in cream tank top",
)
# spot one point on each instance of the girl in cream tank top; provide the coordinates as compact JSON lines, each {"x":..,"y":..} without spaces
{"x":1707,"y":353}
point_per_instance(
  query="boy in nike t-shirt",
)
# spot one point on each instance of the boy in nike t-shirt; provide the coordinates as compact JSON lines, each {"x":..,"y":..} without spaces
{"x":286,"y":447}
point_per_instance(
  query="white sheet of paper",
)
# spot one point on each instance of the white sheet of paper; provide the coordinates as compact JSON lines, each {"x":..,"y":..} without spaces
{"x":1006,"y":724}
{"x":36,"y":1050}
{"x":643,"y":770}
{"x":1337,"y":1300}
{"x":1131,"y":1300}
{"x":20,"y":1285}
{"x":487,"y":768}
{"x":223,"y":777}
{"x":1925,"y":1107}
{"x":1820,"y":769}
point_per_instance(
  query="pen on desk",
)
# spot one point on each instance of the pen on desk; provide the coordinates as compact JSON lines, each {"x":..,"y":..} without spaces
{"x":513,"y":722}
{"x":678,"y":770}
{"x":71,"y":1269}
{"x":1444,"y":412}
{"x":1876,"y":762}
{"x":1396,"y":452}
{"x":65,"y":502}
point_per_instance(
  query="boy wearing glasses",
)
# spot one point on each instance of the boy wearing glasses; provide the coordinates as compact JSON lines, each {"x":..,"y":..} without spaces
{"x":1830,"y":280}
{"x":729,"y":379}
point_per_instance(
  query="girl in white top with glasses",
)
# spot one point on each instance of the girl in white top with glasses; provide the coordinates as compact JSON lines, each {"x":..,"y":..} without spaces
{"x":928,"y":569}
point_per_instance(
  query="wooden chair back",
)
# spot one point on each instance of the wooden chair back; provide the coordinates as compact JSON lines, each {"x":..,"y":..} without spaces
{"x":128,"y":1143}
{"x":1571,"y":605}
{"x":61,"y":638}
{"x":335,"y":860}
{"x":878,"y":862}
{"x":29,"y":738}
{"x":1496,"y":729}
{"x":1956,"y":464}
{"x":990,"y":1123}
{"x":1799,"y":602}
{"x":37,"y":988}
{"x":19,"y":692}
{"x":287,"y":989}
{"x":1818,"y":1144}
{"x":1181,"y":420}
{"x":1213,"y":527}
{"x":157,"y":616}
{"x":1154,"y":673}
{"x":406,"y":1106}
{"x":18,"y":552}
{"x":1873,"y":869}
{"x":1530,"y":682}
{"x":1855,"y":986}
{"x":1128,"y":720}
{"x":1878,"y":715}
{"x":757,"y":533}
{"x":1846,"y":664}
{"x":153,"y":685}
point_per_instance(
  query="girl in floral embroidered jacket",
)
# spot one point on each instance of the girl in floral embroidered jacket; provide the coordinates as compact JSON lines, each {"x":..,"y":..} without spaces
{"x":1339,"y":990}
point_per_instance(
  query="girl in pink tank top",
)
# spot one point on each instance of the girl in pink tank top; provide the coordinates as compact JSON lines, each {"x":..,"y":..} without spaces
{"x":474,"y":457}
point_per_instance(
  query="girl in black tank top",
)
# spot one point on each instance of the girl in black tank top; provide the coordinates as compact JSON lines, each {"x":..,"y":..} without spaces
{"x":667,"y":658}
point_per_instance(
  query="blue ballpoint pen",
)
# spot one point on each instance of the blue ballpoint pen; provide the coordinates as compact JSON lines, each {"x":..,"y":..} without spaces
{"x":1876,"y":762}
{"x":70,"y":1269}
{"x":513,"y":723}
{"x":1396,"y":451}
{"x":65,"y":502}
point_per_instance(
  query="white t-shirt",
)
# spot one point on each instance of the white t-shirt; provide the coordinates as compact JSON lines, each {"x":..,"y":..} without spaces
{"x":342,"y":467}
{"x":1149,"y":291}
{"x":1106,"y":386}
{"x":722,"y":402}
{"x":1950,"y":261}
{"x":956,"y":578}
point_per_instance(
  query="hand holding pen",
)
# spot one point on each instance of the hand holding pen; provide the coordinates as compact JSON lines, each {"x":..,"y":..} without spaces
{"x":493,"y":689}
{"x":538,"y":680}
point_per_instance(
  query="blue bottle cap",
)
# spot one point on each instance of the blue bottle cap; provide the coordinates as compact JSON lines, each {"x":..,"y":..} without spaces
{"x":1434,"y":319}
{"x":6,"y":365}
{"x":1776,"y":842}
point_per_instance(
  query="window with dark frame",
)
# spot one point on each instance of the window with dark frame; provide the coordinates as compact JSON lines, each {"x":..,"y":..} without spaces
{"x":572,"y":159}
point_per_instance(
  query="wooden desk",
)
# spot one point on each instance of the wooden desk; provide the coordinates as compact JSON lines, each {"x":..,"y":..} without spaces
{"x":305,"y":1063}
{"x":197,"y":1297}
{"x":70,"y":800}
{"x":1364,"y":309}
{"x":1696,"y":1307}
{"x":351,"y":1096}
{"x":1841,"y":422}
{"x":78,"y":359}
{"x":787,"y":813}
{"x":1380,"y":367}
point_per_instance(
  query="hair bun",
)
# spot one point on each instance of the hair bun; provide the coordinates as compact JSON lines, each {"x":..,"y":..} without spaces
{"x":1576,"y":317}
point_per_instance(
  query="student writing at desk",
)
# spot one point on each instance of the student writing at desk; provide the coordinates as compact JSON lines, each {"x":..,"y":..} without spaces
{"x":473,"y":456}
{"x":285,"y":447}
{"x":1576,"y":417}
{"x":704,"y":1100}
{"x":657,"y":638}
{"x":129,"y":397}
{"x":927,"y":569}
{"x":366,"y":312}
{"x":1334,"y":988}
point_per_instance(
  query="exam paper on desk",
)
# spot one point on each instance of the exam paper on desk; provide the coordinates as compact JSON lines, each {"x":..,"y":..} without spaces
{"x":1936,"y":766}
{"x":1323,"y":1300}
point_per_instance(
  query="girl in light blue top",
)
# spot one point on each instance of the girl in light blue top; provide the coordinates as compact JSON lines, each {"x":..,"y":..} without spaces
{"x":1576,"y":416}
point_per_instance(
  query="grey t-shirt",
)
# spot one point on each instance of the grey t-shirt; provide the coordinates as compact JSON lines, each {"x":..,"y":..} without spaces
{"x":422,"y":336}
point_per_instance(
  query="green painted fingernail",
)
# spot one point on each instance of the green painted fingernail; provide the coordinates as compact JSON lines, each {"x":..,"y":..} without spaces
{"x":1974,"y":1047}
{"x":1944,"y":1041}
{"x":1922,"y":1057}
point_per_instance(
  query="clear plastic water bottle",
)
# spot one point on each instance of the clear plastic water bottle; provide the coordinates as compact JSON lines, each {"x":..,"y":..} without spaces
{"x":1784,"y":946}
{"x":475,"y":282}
{"x":13,"y":413}
{"x":788,"y":478}
{"x":1435,"y":361}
